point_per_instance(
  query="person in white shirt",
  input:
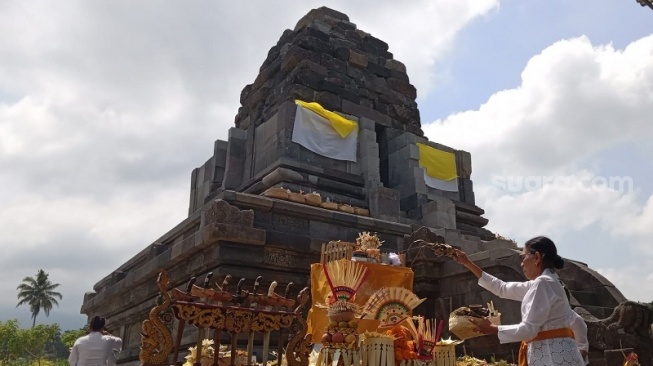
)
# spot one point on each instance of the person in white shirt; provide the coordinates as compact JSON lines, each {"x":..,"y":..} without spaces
{"x":546,"y":316}
{"x":579,"y":327}
{"x":96,"y":348}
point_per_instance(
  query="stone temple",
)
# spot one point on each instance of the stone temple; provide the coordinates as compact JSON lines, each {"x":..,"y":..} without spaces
{"x":232,"y":229}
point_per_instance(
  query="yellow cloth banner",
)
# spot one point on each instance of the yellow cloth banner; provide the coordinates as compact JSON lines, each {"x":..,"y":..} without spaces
{"x":341,"y":124}
{"x":380,"y":275}
{"x":437,"y":163}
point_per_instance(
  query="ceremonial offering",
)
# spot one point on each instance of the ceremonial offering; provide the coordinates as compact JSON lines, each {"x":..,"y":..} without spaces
{"x":338,"y":356}
{"x":428,"y":332}
{"x":276,"y":192}
{"x":378,"y":349}
{"x":296,"y":197}
{"x":361,"y":211}
{"x":403,"y":344}
{"x":368,"y":245}
{"x":495,"y":315}
{"x":390,"y":305}
{"x":313,"y":199}
{"x":461,"y":320}
{"x":346,"y":208}
{"x":345,"y":278}
{"x":444,"y":353}
{"x":329,"y":205}
{"x":340,"y":339}
{"x":335,"y":250}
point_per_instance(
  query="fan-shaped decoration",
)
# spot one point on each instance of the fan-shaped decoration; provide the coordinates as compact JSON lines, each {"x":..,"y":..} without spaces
{"x":345,"y":278}
{"x":391,"y":305}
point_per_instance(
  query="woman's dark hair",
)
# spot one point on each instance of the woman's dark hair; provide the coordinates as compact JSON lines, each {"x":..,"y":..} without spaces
{"x":545,"y":246}
{"x":97,"y":324}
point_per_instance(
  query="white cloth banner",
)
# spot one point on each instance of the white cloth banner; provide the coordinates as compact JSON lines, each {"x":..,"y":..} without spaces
{"x":449,"y":186}
{"x":316,"y":133}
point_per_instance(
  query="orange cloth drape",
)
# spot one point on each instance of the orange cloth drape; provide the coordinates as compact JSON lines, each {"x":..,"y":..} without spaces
{"x":380,"y":275}
{"x":545,"y":334}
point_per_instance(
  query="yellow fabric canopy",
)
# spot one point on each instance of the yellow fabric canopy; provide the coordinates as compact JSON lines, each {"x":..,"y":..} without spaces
{"x":341,"y":124}
{"x":437,"y":163}
{"x":380,"y":275}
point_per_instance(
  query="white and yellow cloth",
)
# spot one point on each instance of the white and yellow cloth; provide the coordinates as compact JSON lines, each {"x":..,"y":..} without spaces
{"x":324,"y":132}
{"x":439,"y":168}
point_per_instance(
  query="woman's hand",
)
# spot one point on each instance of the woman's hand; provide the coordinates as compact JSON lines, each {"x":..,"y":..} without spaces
{"x":461,"y":257}
{"x":484,"y":326}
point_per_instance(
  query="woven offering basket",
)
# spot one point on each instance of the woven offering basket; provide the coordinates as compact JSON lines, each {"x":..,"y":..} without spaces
{"x":329,"y":205}
{"x":361,"y":211}
{"x":276,"y":192}
{"x":444,"y":355}
{"x":346,"y":208}
{"x":341,"y":316}
{"x":463,"y":327}
{"x":377,"y":351}
{"x":339,"y":356}
{"x":313,"y":199}
{"x":296,"y":197}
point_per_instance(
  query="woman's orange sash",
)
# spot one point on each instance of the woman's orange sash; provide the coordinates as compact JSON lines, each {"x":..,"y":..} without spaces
{"x":545,"y":334}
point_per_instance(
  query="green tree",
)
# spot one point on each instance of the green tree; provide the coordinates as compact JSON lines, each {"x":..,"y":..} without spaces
{"x":10,"y":347}
{"x":39,"y":294}
{"x":70,"y":336}
{"x":38,"y":342}
{"x":39,"y":345}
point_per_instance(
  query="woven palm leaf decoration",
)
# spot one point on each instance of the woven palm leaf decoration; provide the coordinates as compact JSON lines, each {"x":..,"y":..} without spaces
{"x":427,"y":336}
{"x":391,"y":306}
{"x":345,"y":277}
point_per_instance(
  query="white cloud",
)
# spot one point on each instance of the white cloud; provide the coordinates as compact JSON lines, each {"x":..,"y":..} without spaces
{"x":577,"y":102}
{"x":421,"y":34}
{"x":634,"y":282}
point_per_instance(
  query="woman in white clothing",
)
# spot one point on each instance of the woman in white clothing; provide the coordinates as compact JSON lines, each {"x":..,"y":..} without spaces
{"x":546,"y":317}
{"x":96,"y":348}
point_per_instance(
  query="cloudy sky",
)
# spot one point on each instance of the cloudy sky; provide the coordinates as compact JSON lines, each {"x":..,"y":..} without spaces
{"x":106,"y":107}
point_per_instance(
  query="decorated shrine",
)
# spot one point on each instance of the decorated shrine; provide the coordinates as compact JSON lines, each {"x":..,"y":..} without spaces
{"x":326,"y":146}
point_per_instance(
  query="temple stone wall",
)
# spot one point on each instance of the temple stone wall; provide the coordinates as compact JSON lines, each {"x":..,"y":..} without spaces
{"x":327,"y":59}
{"x":207,"y":179}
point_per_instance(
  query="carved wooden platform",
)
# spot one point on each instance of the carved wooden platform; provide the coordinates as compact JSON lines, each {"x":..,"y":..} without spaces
{"x":241,"y":312}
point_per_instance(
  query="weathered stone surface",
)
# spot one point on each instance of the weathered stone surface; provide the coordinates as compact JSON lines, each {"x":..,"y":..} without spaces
{"x":439,"y":213}
{"x":358,"y":110}
{"x":378,"y":70}
{"x":384,"y":203}
{"x":358,"y":59}
{"x":221,"y":212}
{"x":233,"y":175}
{"x":395,"y":65}
{"x":320,"y":14}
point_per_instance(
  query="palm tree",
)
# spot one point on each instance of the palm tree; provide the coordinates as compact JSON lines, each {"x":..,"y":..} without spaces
{"x":38,"y":293}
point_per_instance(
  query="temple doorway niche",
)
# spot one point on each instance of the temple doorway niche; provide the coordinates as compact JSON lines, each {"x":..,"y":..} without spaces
{"x":384,"y":166}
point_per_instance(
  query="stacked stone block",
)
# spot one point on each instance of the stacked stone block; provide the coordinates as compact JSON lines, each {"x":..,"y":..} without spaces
{"x":328,"y":60}
{"x":207,"y":179}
